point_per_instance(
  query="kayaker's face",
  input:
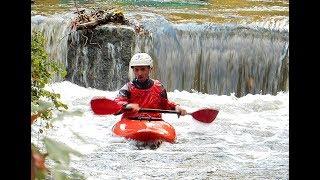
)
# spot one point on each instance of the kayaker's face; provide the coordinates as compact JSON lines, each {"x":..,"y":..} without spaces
{"x":141,"y":72}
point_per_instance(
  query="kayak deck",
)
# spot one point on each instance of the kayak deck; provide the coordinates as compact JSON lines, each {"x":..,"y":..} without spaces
{"x":144,"y":130}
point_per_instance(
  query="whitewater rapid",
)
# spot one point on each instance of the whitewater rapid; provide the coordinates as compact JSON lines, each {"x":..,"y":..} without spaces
{"x":249,"y":139}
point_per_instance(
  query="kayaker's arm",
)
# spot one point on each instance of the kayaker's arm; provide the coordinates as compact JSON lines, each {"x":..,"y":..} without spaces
{"x":180,"y":110}
{"x":171,"y":105}
{"x":165,"y":103}
{"x":132,"y":107}
{"x":122,"y":98}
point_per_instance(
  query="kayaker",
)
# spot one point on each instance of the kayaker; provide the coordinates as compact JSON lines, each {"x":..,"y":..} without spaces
{"x":144,"y":92}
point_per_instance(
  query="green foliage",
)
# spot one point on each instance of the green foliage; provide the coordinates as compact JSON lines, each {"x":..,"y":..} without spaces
{"x":43,"y":102}
{"x":42,"y":71}
{"x":60,"y":153}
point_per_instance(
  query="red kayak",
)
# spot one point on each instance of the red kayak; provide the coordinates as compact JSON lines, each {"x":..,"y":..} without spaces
{"x":145,"y":130}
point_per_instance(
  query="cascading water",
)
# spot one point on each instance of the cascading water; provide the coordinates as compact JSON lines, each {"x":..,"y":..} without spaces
{"x":99,"y":58}
{"x":56,"y":30}
{"x":236,"y":46}
{"x":217,"y":59}
{"x":202,"y":57}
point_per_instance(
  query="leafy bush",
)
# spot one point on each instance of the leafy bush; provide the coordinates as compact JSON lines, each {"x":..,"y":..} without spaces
{"x":43,"y":103}
{"x":42,"y":70}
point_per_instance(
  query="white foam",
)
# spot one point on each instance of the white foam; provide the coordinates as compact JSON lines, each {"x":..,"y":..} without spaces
{"x":249,"y":138}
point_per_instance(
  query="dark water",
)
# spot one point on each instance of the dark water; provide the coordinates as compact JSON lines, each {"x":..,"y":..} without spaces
{"x":220,"y":11}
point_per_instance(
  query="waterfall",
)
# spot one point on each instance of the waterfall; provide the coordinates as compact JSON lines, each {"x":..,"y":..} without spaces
{"x":209,"y":58}
{"x":217,"y":59}
{"x":56,"y":30}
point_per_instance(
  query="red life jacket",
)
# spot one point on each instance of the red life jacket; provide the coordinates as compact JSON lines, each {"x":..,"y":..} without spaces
{"x":148,"y":98}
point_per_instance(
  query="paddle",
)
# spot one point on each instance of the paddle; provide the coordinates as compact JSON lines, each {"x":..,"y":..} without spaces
{"x":104,"y":106}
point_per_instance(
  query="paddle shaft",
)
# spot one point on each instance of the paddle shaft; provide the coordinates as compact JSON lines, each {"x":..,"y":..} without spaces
{"x":158,"y":110}
{"x":146,"y":118}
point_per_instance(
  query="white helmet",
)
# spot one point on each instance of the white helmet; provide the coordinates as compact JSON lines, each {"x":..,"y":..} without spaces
{"x":141,"y":59}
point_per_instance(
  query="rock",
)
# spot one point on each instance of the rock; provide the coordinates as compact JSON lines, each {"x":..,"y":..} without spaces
{"x":99,"y":58}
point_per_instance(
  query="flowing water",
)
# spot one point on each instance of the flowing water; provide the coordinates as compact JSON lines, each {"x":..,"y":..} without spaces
{"x":249,"y":139}
{"x":209,"y":58}
{"x":271,"y":12}
{"x":233,"y":42}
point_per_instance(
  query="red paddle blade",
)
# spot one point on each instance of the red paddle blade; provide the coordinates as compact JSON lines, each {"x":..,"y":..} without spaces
{"x":104,"y":106}
{"x":205,"y":115}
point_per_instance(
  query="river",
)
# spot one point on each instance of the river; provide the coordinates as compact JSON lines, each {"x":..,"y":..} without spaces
{"x":249,"y":139}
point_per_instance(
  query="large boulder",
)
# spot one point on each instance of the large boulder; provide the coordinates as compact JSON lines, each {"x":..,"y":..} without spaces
{"x":99,"y":58}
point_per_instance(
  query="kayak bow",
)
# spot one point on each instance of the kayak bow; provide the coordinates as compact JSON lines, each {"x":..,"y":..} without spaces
{"x":145,"y":130}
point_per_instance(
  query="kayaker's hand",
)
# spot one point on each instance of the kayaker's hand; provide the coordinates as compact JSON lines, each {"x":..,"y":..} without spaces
{"x":133,"y":107}
{"x":181,"y":111}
